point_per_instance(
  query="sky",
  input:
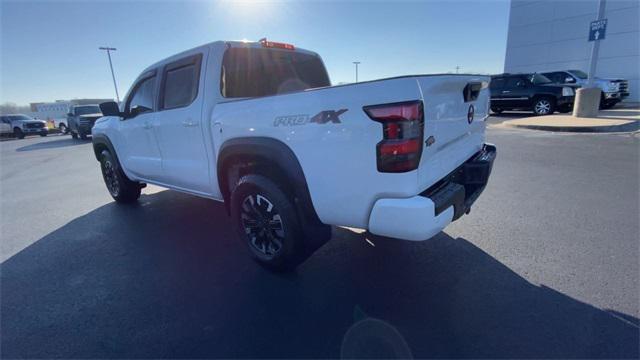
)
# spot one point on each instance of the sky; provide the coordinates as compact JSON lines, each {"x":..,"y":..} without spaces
{"x":49,"y":49}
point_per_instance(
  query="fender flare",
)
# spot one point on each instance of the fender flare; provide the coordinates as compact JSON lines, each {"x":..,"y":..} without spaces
{"x":274,"y":151}
{"x":101,"y":139}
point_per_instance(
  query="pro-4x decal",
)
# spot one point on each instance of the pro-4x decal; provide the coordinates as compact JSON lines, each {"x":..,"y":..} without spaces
{"x":322,"y":117}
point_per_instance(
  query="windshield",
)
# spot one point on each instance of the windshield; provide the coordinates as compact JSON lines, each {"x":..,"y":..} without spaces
{"x":19,"y":117}
{"x":84,"y":110}
{"x":579,"y":73}
{"x":251,"y":72}
{"x":539,"y":79}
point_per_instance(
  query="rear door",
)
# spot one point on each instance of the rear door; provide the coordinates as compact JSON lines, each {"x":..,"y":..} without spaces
{"x":180,"y":129}
{"x":5,"y":125}
{"x":496,"y":87}
{"x":515,"y":93}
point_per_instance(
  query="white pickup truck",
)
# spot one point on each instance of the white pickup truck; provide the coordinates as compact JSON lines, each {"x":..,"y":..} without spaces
{"x":258,"y":126}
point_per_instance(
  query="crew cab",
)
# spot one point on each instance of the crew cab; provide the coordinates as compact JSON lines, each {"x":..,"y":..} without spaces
{"x":258,"y":126}
{"x":613,"y":90}
{"x":81,"y":118}
{"x":22,"y":125}
{"x":530,"y":92}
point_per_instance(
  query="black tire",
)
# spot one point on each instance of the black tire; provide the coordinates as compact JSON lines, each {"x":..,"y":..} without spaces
{"x":43,"y":134}
{"x":83,"y":136}
{"x":122,"y":189}
{"x":17,"y":132}
{"x":564,"y":109}
{"x":267,"y":223}
{"x":607,"y":105}
{"x":496,"y":111}
{"x":74,"y":135}
{"x":63,"y":129}
{"x":544,"y":106}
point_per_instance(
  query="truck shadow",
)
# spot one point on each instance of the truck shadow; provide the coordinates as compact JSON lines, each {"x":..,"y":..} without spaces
{"x":53,"y":144}
{"x":167,"y":278}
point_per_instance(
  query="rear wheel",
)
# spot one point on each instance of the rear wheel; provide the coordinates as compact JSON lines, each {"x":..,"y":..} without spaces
{"x":267,"y":222}
{"x":63,"y":129}
{"x":544,"y":106}
{"x":74,"y":135}
{"x":496,"y":111}
{"x":83,"y":136}
{"x":120,"y":187}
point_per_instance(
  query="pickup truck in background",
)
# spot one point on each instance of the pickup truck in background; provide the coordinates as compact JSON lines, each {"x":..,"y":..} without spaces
{"x":258,"y":126}
{"x":613,"y":90}
{"x":81,"y":118}
{"x":22,"y":125}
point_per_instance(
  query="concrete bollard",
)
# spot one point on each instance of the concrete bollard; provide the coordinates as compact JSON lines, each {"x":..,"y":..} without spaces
{"x":587,"y":102}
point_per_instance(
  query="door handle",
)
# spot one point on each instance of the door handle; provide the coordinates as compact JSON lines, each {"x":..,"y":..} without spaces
{"x":189,"y":123}
{"x":506,"y":91}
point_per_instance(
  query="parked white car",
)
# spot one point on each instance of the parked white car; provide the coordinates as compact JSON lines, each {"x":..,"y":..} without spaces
{"x":258,"y":126}
{"x":22,"y":125}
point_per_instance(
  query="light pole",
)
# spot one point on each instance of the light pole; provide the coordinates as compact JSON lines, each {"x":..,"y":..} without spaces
{"x":109,"y":49}
{"x":595,"y":47}
{"x":356,"y":64}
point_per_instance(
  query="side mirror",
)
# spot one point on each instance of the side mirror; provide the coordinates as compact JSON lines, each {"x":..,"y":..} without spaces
{"x":137,"y":110}
{"x":569,"y":79}
{"x":110,"y":108}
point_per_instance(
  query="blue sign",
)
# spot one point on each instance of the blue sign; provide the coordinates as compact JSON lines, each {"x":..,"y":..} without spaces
{"x":597,"y":30}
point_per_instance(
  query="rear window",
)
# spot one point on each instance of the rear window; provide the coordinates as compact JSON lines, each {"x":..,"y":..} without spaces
{"x":252,"y":72}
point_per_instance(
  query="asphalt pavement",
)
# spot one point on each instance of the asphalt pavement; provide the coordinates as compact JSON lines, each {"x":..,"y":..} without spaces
{"x":544,"y":266}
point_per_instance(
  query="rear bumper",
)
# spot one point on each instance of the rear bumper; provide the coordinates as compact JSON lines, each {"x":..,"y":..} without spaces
{"x":423,"y":216}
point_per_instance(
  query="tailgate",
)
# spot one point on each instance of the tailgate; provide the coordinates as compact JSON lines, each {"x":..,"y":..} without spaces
{"x":455,"y":109}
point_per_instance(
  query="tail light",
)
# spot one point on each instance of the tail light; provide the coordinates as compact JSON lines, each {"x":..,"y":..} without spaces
{"x":402,"y":134}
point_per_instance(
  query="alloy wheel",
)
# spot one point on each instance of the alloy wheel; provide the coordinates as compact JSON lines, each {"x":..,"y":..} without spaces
{"x":543,"y":107}
{"x":262,"y":224}
{"x":111,"y":178}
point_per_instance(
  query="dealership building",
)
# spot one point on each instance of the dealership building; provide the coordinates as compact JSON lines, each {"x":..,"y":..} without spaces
{"x":553,"y":35}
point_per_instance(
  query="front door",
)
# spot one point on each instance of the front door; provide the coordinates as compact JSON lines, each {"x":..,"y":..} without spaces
{"x":141,"y":151}
{"x":180,"y":128}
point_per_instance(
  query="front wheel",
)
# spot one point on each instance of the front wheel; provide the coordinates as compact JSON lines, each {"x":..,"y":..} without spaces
{"x":83,"y":136}
{"x":267,"y":222}
{"x":63,"y":129}
{"x":120,"y":187}
{"x":543,"y":106}
{"x":74,"y":135}
{"x":17,"y":132}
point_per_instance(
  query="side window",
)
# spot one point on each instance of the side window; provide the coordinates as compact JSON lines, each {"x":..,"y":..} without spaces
{"x":180,"y":82}
{"x":142,"y":96}
{"x":556,"y":77}
{"x":515,"y":82}
{"x":497,"y":83}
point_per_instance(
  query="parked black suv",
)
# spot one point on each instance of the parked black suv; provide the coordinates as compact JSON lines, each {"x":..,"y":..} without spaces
{"x":530,"y":92}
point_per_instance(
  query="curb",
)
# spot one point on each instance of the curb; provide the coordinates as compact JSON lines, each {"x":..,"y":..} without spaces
{"x":629,"y":127}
